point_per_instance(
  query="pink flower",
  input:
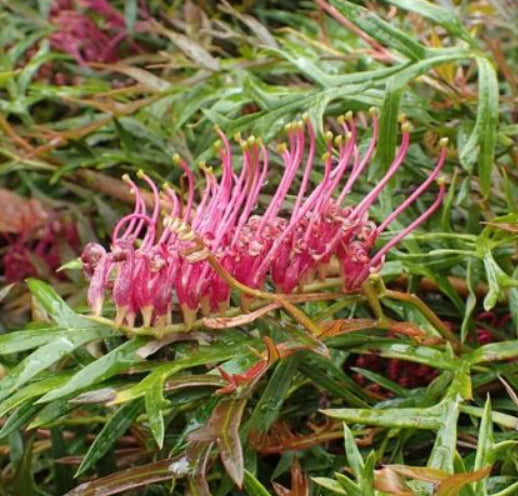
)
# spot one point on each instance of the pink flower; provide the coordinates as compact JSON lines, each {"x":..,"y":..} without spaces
{"x":287,"y":245}
{"x":78,"y":35}
{"x":39,"y":253}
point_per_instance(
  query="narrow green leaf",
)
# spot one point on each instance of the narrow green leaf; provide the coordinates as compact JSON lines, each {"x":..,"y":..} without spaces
{"x":113,"y":363}
{"x":33,"y":390}
{"x":381,"y":30}
{"x":22,"y":340}
{"x":418,"y":418}
{"x":487,"y":119}
{"x":513,"y":303}
{"x":18,"y":419}
{"x":330,"y":484}
{"x":394,"y":91}
{"x":154,"y":402}
{"x":443,"y":451}
{"x":484,"y":446}
{"x":130,"y":14}
{"x":382,"y":381}
{"x":270,"y":403}
{"x":493,"y":352}
{"x":116,"y":426}
{"x":204,"y":355}
{"x":442,"y":16}
{"x":48,"y":354}
{"x":352,"y":452}
{"x":252,"y":486}
{"x":54,"y":305}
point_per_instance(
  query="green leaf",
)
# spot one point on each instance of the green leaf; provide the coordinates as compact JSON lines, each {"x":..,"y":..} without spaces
{"x":48,"y":354}
{"x":215,"y":353}
{"x":54,"y":305}
{"x":116,"y":426}
{"x":513,"y":303}
{"x":418,"y":418}
{"x":154,"y":402}
{"x":484,"y":446}
{"x":22,"y":340}
{"x":270,"y":403}
{"x":493,"y":352}
{"x":252,"y":486}
{"x":382,"y":381}
{"x":130,"y":14}
{"x":412,"y":353}
{"x":394,"y":91}
{"x":487,"y":120}
{"x":482,"y":140}
{"x":381,"y":30}
{"x":471,"y":302}
{"x":352,"y":452}
{"x":113,"y":363}
{"x":33,"y":390}
{"x":330,"y":484}
{"x":18,"y":419}
{"x":443,"y":451}
{"x":442,"y":16}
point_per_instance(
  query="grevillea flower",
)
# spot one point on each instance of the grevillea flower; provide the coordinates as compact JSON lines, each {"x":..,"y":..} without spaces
{"x":39,"y":252}
{"x":286,"y":245}
{"x":80,"y":36}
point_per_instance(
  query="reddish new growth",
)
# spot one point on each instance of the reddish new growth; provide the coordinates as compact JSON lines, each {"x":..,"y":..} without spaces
{"x":288,"y":244}
{"x":80,"y":36}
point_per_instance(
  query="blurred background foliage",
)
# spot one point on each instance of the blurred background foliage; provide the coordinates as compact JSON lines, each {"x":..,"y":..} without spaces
{"x":82,"y":406}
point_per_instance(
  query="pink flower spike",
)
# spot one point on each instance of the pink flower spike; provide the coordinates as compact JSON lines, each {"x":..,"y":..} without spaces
{"x":364,"y":205}
{"x":190,"y":179}
{"x":307,"y":168}
{"x":140,"y":209}
{"x":418,"y":192}
{"x":116,"y":240}
{"x":359,"y":167}
{"x":287,"y":249}
{"x":377,"y":259}
{"x":150,"y":235}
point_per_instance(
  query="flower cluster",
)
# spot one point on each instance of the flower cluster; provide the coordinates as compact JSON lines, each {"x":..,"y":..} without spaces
{"x":156,"y":253}
{"x":80,"y":36}
{"x":406,"y":374}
